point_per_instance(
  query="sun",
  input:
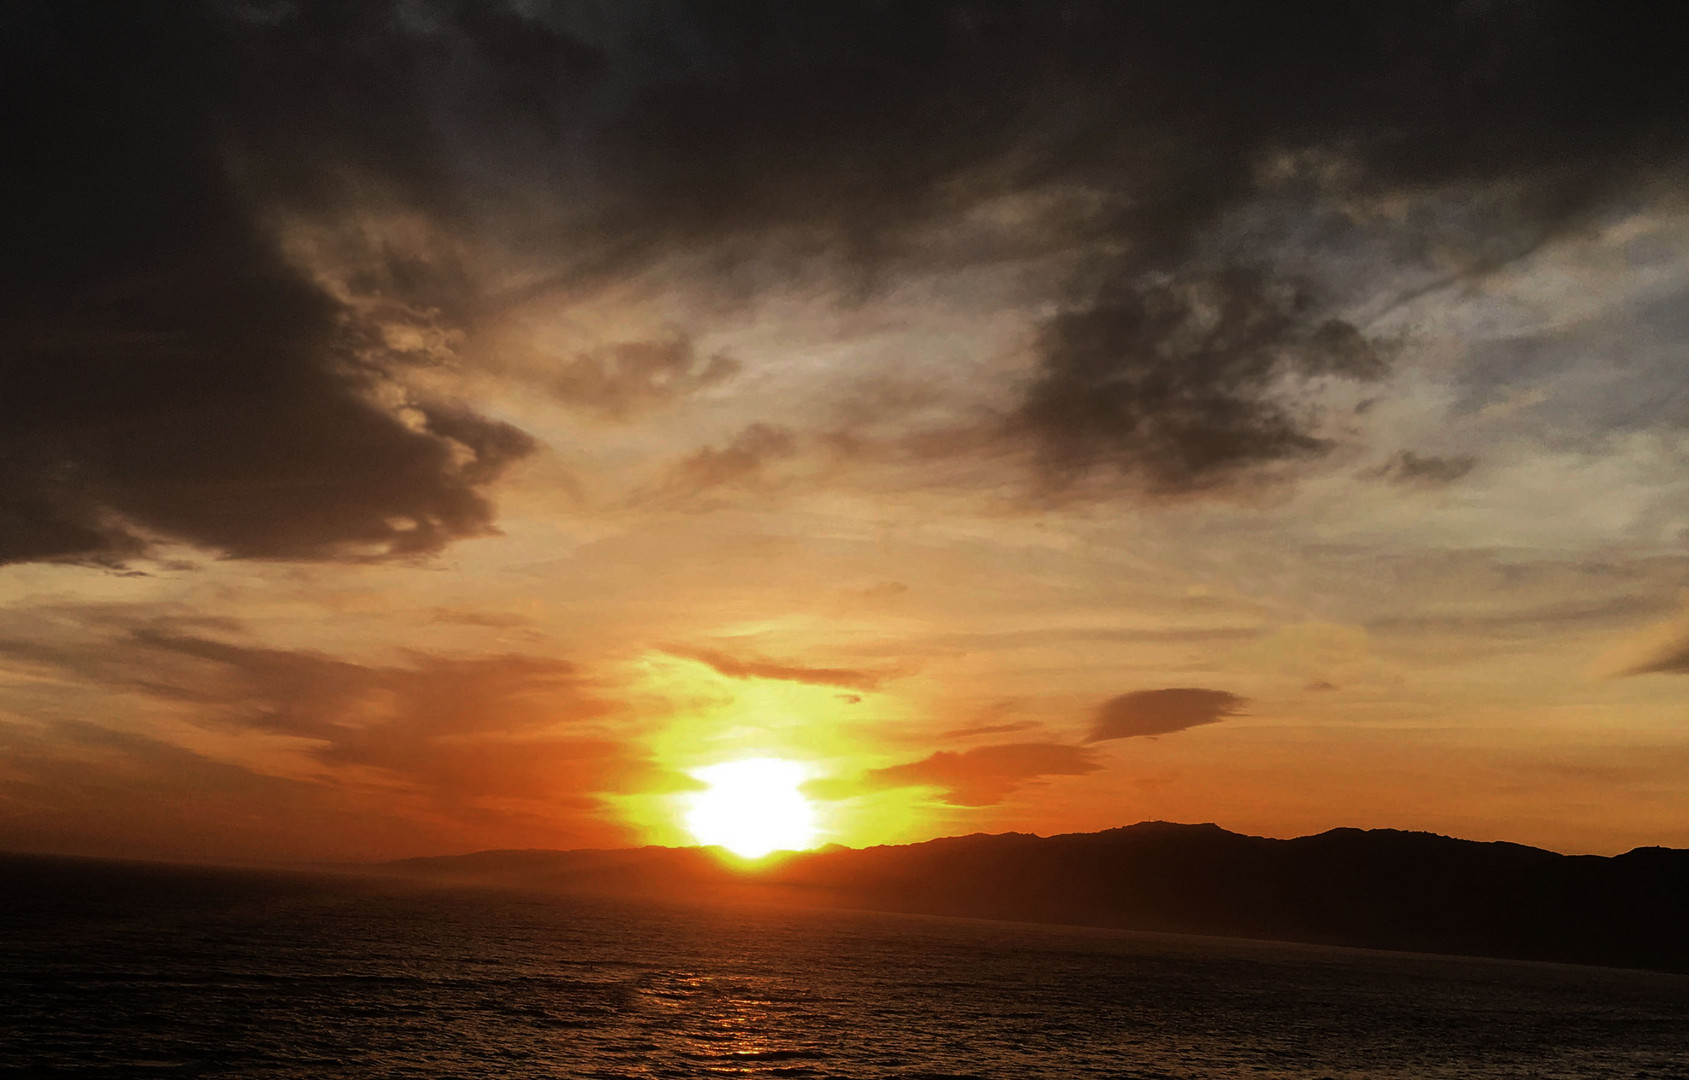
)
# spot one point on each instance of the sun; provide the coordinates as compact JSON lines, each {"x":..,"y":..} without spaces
{"x":753,"y":807}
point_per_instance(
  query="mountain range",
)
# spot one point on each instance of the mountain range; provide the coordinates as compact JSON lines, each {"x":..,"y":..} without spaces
{"x":1380,"y":888}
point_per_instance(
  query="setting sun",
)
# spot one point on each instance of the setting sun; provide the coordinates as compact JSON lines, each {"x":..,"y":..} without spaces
{"x":752,"y":807}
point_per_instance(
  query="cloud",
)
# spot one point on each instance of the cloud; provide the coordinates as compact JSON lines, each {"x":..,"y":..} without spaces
{"x":1161,"y":712}
{"x":623,"y":380}
{"x":1661,"y":649}
{"x":1183,"y":388}
{"x":78,"y":787}
{"x":881,"y":592}
{"x":1407,"y":468}
{"x":983,"y":776}
{"x":167,"y":372}
{"x":459,"y":731}
{"x":1485,"y":619}
{"x":460,"y":728}
{"x":490,"y":620}
{"x":741,"y":667}
{"x":974,"y":731}
{"x":233,"y":240}
{"x":1672,"y":660}
{"x":1016,"y":639}
{"x":1001,"y":717}
{"x":1154,"y":123}
{"x":745,"y":458}
{"x":74,"y":786}
{"x":210,"y":746}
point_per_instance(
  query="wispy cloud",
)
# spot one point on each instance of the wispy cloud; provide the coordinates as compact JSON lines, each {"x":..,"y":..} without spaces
{"x":983,"y":776}
{"x":759,"y":667}
{"x":626,"y":379}
{"x":1408,"y":468}
{"x":464,"y":734}
{"x":1661,"y":649}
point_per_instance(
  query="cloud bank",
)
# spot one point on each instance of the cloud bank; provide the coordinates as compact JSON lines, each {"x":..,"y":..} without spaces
{"x":239,"y":231}
{"x":505,"y":740}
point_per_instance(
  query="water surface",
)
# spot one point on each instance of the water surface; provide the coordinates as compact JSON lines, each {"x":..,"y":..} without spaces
{"x":109,"y":971}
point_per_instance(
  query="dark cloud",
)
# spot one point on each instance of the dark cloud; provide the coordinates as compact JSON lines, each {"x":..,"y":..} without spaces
{"x":1181,"y":388}
{"x":164,"y":370}
{"x":1409,"y":468}
{"x":168,"y":368}
{"x":1161,"y":712}
{"x":742,"y":667}
{"x":623,"y":380}
{"x":860,"y":118}
{"x":983,"y":776}
{"x":1459,"y":136}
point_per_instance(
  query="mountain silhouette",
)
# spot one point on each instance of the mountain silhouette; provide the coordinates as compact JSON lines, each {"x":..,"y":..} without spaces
{"x":1380,"y":888}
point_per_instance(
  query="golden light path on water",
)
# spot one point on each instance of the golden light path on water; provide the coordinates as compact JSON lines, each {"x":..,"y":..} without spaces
{"x":752,"y":807}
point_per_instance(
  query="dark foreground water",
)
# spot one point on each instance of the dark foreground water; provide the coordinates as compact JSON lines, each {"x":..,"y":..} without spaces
{"x":130,"y":972}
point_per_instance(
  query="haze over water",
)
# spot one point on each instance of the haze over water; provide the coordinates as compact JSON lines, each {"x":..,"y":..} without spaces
{"x":120,"y":971}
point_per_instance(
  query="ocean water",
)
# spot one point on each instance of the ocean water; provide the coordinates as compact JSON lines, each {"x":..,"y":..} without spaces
{"x":137,"y":972}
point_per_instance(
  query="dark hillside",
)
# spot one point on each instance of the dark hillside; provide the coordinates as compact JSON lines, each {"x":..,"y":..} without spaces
{"x":1376,"y":889}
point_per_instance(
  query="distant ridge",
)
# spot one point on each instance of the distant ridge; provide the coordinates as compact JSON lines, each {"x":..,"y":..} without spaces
{"x":1378,"y":888}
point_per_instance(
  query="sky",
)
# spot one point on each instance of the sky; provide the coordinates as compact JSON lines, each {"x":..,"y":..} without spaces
{"x":430,"y":426}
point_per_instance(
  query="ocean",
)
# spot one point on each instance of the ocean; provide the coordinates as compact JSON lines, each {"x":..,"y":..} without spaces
{"x":110,"y":970}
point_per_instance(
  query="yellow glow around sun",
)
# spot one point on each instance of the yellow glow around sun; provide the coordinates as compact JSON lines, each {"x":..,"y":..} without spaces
{"x":753,"y":807}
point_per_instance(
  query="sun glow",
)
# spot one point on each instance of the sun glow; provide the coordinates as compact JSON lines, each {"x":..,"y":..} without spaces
{"x":753,"y":807}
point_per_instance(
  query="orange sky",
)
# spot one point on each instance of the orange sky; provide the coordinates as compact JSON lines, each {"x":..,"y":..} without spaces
{"x":992,"y":498}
